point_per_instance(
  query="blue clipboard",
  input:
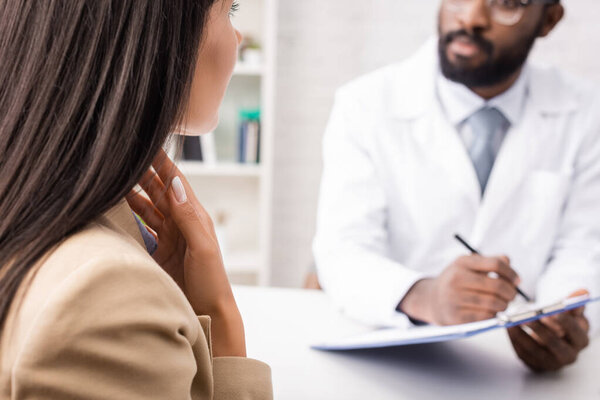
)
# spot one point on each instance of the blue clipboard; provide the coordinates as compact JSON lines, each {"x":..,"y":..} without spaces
{"x":430,"y":334}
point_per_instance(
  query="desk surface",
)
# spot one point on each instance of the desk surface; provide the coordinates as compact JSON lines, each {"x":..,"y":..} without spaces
{"x":282,"y":323}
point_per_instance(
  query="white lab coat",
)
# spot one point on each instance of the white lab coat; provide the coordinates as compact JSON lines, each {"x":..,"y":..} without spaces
{"x":398,"y":183}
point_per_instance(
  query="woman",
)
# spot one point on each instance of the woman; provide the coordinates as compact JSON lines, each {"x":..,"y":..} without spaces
{"x":89,"y":93}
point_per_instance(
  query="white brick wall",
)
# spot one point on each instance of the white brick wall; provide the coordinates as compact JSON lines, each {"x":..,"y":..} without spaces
{"x":323,"y":44}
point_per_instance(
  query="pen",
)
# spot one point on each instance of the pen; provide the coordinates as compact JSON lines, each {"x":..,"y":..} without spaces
{"x":472,"y":250}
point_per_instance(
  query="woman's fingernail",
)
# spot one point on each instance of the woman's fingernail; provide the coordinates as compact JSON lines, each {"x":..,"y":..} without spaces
{"x":179,"y":190}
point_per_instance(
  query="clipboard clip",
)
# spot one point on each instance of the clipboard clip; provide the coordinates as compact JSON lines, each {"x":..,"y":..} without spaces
{"x":517,"y":317}
{"x":525,"y":315}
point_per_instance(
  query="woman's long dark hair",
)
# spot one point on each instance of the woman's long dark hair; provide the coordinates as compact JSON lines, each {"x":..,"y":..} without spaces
{"x":89,"y":91}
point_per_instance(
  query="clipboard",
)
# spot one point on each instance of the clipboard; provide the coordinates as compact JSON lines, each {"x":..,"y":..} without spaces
{"x":393,"y":337}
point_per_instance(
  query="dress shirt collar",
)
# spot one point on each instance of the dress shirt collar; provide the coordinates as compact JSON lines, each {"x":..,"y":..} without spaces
{"x":459,"y":102}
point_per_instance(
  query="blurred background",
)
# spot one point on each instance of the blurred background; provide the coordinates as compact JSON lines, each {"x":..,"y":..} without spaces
{"x":258,"y":174}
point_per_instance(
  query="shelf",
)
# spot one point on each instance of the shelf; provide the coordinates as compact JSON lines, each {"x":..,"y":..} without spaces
{"x":248,"y":70}
{"x":197,"y":168}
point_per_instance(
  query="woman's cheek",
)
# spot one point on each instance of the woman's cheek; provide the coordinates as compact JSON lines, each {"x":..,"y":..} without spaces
{"x":215,"y":67}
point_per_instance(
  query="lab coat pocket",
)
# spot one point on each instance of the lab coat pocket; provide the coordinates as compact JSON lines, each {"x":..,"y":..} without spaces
{"x":544,"y":194}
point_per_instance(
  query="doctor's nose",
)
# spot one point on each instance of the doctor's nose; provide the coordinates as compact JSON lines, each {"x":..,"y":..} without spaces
{"x":475,"y":16}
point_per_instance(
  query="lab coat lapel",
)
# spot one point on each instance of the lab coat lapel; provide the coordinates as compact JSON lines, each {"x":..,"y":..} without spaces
{"x":447,"y":149}
{"x":521,"y":150}
{"x":510,"y":169}
{"x":437,"y":138}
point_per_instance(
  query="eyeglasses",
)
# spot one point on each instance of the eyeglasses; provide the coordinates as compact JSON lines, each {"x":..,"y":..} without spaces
{"x":504,"y":12}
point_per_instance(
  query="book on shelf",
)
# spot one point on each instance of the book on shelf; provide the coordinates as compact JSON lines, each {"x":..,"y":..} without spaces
{"x":200,"y":148}
{"x":192,"y":149}
{"x":249,"y":137}
{"x":203,"y":148}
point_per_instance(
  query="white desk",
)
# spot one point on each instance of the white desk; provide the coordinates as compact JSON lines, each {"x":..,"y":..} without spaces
{"x":282,"y":323}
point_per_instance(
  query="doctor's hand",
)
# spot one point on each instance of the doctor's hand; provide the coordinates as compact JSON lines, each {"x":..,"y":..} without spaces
{"x":463,"y":292}
{"x":189,"y":252}
{"x":552,"y":342}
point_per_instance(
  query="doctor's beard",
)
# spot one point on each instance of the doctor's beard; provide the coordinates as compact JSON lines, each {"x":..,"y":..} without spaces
{"x":494,"y":70}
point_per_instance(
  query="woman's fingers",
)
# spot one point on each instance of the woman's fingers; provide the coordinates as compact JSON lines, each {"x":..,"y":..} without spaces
{"x":145,"y":209}
{"x":167,"y":171}
{"x":192,"y":224}
{"x":165,"y":167}
{"x":182,"y":207}
{"x":156,"y":190}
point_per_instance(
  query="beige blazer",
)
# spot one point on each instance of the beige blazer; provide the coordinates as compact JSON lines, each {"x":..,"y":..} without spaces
{"x":99,"y":319}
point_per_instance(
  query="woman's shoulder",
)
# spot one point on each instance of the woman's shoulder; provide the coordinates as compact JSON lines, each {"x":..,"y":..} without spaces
{"x":100,"y":316}
{"x":104,"y":259}
{"x":97,"y":280}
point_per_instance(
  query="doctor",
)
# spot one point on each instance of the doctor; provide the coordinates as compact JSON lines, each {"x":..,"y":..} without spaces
{"x":466,"y":137}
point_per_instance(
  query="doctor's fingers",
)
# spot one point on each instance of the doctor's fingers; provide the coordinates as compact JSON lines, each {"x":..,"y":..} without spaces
{"x":575,"y":333}
{"x":470,"y":314}
{"x":482,"y":301}
{"x":544,"y":336}
{"x":552,"y":323}
{"x":530,"y":352}
{"x":482,"y":283}
{"x":556,"y":325}
{"x":499,"y":265}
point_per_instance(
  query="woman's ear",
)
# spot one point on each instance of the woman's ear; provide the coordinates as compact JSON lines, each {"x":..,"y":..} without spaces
{"x":552,"y":16}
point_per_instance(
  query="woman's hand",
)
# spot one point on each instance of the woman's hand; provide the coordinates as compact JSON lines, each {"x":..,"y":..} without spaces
{"x":188,"y":251}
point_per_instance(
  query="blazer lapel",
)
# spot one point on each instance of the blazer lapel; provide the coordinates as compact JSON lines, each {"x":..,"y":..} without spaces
{"x":120,"y":218}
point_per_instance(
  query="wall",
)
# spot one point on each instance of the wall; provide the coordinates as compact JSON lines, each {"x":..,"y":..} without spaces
{"x":323,"y":44}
